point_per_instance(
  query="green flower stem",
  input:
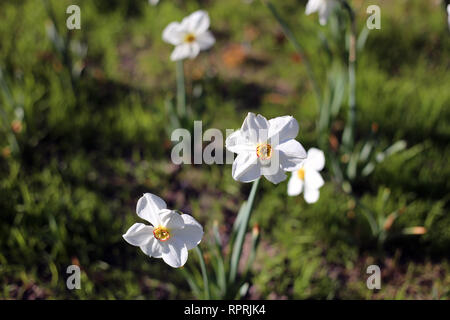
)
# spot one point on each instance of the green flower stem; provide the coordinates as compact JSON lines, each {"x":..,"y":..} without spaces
{"x":190,"y":280}
{"x":4,"y":116}
{"x":290,"y":35}
{"x":368,"y":214}
{"x":204,"y":273}
{"x":237,"y":248}
{"x":181,"y":91}
{"x":349,"y":131}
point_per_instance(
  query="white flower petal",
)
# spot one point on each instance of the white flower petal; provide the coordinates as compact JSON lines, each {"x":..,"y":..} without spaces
{"x":173,"y":34}
{"x":197,"y":22}
{"x":171,"y":220}
{"x":246,"y":167}
{"x":236,"y":143}
{"x":153,"y":248}
{"x":191,"y":234}
{"x":277,"y":177}
{"x":325,"y":10}
{"x":292,"y":155}
{"x":255,"y":128}
{"x":184,"y":51}
{"x":177,"y":254}
{"x":205,"y":40}
{"x":138,"y":234}
{"x":282,"y":129}
{"x":311,"y":195}
{"x":448,"y":12}
{"x":315,"y":159}
{"x":148,"y":208}
{"x":313,"y":6}
{"x":295,"y":185}
{"x":313,"y":179}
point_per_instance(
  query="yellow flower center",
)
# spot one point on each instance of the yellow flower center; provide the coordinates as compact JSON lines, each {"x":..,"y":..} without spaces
{"x":264,"y":151}
{"x":301,"y":174}
{"x":161,"y":233}
{"x":189,"y":38}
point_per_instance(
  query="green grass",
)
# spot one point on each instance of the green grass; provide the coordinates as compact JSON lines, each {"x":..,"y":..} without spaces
{"x":89,"y":146}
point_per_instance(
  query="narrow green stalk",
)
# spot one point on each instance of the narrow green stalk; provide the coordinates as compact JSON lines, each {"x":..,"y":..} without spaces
{"x":220,"y":272}
{"x":181,"y":91}
{"x":237,"y":248}
{"x":367,"y":214}
{"x":3,"y":114}
{"x":290,"y":35}
{"x":190,"y":280}
{"x":349,"y":131}
{"x":369,"y":217}
{"x":204,"y":273}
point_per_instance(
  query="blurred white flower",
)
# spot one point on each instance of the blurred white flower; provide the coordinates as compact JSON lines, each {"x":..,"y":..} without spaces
{"x":308,"y":178}
{"x":153,"y":2}
{"x":265,"y":148}
{"x":448,"y":15}
{"x":171,"y":234}
{"x":190,"y":36}
{"x":323,"y":7}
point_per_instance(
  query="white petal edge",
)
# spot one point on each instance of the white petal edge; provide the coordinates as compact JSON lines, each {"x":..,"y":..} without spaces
{"x":282,"y":129}
{"x":172,"y":34}
{"x":236,"y":143}
{"x":313,"y":179}
{"x":292,"y":155}
{"x":313,"y":6}
{"x":295,"y":185}
{"x":192,"y":233}
{"x":138,"y":234}
{"x":153,"y":248}
{"x":177,"y":253}
{"x":277,"y":177}
{"x":184,"y":51}
{"x":255,"y":128}
{"x":246,"y":167}
{"x":171,"y":219}
{"x":311,"y":195}
{"x":205,"y":40}
{"x":315,"y":159}
{"x":149,"y":206}
{"x":197,"y":22}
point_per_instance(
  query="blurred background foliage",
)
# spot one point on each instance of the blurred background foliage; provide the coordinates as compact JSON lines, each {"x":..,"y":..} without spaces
{"x":84,"y":133}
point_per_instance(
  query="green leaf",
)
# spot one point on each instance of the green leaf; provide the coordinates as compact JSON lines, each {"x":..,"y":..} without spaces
{"x":237,"y":248}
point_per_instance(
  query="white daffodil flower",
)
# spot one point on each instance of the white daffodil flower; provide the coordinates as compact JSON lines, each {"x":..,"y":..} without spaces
{"x":308,"y":178}
{"x":171,"y":234}
{"x":323,"y":7}
{"x":190,"y":36}
{"x":153,"y":2}
{"x":265,"y":147}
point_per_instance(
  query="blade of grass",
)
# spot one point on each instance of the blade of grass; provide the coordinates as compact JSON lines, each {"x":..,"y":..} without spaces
{"x":190,"y":280}
{"x":204,"y":273}
{"x":181,"y":91}
{"x":237,"y":248}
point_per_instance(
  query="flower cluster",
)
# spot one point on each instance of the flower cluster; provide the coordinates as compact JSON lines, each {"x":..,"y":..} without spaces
{"x":264,"y":148}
